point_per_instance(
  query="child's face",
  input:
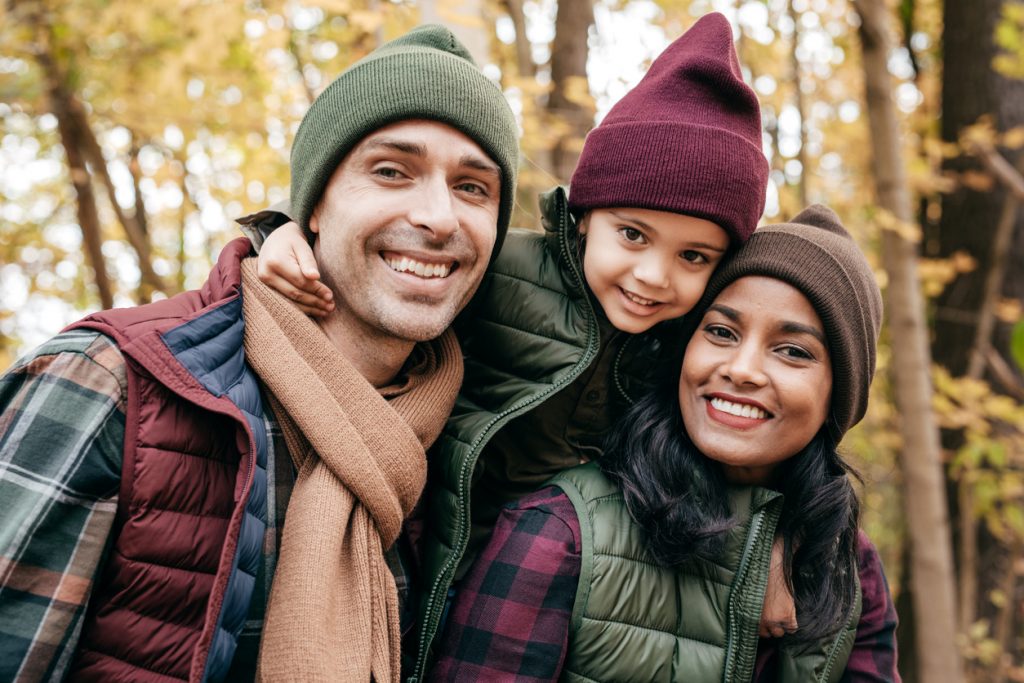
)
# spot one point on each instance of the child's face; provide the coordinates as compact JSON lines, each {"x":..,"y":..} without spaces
{"x":647,"y":266}
{"x":757,"y":378}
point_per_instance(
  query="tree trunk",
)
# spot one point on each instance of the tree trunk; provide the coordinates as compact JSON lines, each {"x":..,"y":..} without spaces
{"x":137,"y":237}
{"x":938,"y":659}
{"x":801,"y":107}
{"x":82,"y":150}
{"x":970,"y":90}
{"x":61,"y":105}
{"x":569,"y":104}
{"x":464,"y":19}
{"x":88,"y":217}
{"x":524,"y":51}
{"x":976,"y":221}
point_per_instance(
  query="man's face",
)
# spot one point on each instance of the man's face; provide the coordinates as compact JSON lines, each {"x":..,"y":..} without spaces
{"x":405,"y":229}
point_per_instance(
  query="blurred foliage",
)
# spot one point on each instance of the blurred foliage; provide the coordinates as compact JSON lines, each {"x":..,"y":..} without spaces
{"x":1010,"y":37}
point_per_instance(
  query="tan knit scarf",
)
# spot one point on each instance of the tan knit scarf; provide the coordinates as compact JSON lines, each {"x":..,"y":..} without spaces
{"x":333,"y":611}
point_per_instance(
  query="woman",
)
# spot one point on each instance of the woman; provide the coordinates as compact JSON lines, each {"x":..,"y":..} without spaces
{"x":653,"y":564}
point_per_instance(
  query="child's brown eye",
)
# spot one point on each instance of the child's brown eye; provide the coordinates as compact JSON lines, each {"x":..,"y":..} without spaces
{"x":631,"y":234}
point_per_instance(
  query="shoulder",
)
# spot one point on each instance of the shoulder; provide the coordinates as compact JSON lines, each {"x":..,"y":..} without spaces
{"x":869,"y":563}
{"x":84,"y":358}
{"x":548,"y":500}
{"x":877,"y":605}
{"x":546,"y":516}
{"x":523,"y":253}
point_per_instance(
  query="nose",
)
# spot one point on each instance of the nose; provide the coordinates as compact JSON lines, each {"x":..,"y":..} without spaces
{"x":652,"y":270}
{"x":433,"y":209}
{"x":744,"y":365}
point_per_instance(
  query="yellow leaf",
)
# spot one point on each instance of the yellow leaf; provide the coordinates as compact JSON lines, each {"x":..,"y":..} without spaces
{"x":1009,"y":310}
{"x":977,"y":181}
{"x":1014,"y":138}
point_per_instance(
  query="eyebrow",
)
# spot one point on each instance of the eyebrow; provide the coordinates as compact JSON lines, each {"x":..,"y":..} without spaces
{"x":788,"y":326}
{"x":475,"y":162}
{"x":415,"y":149}
{"x":798,"y":328}
{"x":633,"y":219}
{"x":404,"y":146}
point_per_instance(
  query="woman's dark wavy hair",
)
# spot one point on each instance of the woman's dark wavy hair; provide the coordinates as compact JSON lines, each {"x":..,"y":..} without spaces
{"x":678,"y":497}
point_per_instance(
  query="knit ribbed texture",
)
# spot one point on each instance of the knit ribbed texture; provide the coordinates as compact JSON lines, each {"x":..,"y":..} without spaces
{"x":686,"y":139}
{"x":815,"y":254}
{"x":333,"y":611}
{"x":425,"y":74}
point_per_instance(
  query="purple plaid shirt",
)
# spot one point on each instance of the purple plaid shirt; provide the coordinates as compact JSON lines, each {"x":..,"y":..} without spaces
{"x":510,"y":619}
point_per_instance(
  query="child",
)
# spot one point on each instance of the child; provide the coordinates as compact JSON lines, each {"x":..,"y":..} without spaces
{"x":646,"y":565}
{"x":565,"y":325}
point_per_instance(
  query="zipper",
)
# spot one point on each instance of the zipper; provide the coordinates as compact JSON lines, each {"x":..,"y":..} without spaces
{"x":433,"y":614}
{"x":756,"y":523}
{"x":755,"y":530}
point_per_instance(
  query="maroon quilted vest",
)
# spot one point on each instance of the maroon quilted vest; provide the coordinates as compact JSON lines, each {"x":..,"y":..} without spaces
{"x":159,"y":608}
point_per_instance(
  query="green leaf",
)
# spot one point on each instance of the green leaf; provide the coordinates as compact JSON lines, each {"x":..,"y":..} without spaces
{"x":1017,"y":344}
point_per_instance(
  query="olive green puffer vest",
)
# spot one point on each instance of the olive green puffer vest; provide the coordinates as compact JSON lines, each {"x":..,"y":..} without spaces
{"x":529,"y":332}
{"x":634,"y":620}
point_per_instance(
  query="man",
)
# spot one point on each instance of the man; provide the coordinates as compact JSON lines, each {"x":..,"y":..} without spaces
{"x":143,"y":476}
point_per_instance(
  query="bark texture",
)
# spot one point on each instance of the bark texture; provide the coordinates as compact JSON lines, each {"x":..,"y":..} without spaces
{"x":569,"y":52}
{"x":938,"y":659}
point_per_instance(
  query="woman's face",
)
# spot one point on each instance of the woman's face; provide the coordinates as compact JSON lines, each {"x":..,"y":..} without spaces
{"x":757,"y":378}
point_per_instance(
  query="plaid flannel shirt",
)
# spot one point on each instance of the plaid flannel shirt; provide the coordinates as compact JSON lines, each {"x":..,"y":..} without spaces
{"x":62,"y":424}
{"x":510,"y":618}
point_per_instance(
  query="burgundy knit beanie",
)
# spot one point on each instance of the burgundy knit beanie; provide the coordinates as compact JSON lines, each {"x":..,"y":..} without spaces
{"x":815,"y":254}
{"x":686,"y":139}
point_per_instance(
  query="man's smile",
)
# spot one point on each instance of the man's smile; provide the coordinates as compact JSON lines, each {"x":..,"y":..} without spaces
{"x":426,"y":269}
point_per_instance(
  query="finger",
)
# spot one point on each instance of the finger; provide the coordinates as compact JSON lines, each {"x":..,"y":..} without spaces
{"x":300,"y":297}
{"x":273,"y":272}
{"x":311,"y":311}
{"x":307,"y":264}
{"x":322,"y":292}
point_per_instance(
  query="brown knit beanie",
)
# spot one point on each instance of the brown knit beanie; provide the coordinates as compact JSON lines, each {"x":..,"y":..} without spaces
{"x":686,"y":139}
{"x":425,"y":74}
{"x":815,"y":254}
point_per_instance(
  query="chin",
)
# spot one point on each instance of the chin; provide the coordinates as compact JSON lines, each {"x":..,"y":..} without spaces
{"x":420,"y":331}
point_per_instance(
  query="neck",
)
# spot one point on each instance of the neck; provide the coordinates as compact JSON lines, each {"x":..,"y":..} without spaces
{"x":377,"y":356}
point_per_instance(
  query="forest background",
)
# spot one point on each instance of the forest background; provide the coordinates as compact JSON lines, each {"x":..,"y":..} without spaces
{"x":132,"y":133}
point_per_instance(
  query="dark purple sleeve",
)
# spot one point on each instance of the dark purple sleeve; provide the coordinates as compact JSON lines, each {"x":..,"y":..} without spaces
{"x":873,"y":659}
{"x":511,"y":614}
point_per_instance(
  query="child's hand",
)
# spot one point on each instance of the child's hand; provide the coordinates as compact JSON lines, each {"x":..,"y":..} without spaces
{"x":286,"y":264}
{"x":778,"y":615}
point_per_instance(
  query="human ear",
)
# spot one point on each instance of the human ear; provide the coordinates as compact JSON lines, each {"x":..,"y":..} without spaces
{"x":584,"y":224}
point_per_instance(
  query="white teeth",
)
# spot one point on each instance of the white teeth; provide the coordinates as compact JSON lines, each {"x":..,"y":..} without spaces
{"x":424,"y":270}
{"x":638,"y":299}
{"x":739,"y":409}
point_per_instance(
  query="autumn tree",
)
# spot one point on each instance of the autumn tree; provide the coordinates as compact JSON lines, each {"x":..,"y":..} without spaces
{"x":924,"y":488}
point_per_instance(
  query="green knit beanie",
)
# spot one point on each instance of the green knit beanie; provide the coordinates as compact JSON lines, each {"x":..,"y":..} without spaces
{"x":425,"y":74}
{"x":815,"y":254}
